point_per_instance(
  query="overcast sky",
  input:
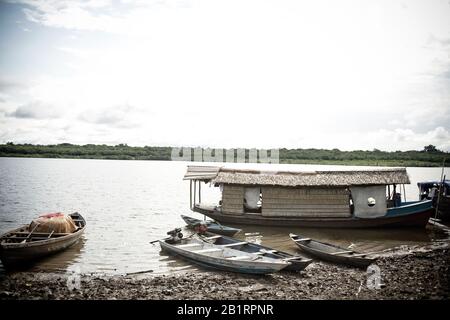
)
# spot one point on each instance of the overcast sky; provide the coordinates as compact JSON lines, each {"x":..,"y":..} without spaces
{"x":297,"y":74}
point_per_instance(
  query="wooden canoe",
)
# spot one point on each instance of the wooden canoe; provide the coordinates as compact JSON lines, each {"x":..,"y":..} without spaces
{"x":298,"y":263}
{"x":212,"y":226}
{"x":222,"y":258}
{"x":20,"y":247}
{"x":332,"y":253}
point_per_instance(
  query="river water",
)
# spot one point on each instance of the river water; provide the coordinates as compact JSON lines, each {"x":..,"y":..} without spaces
{"x":127,"y":204}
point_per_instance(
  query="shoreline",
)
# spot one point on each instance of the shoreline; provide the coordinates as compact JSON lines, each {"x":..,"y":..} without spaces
{"x":405,"y":273}
{"x":353,"y":163}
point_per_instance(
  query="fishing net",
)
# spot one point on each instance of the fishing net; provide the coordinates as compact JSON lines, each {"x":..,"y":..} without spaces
{"x":56,"y":222}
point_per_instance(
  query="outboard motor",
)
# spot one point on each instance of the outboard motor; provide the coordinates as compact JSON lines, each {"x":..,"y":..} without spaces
{"x":175,"y":235}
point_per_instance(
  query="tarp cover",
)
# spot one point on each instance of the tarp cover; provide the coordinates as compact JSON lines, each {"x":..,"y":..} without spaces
{"x":252,"y":197}
{"x":57,"y":222}
{"x":370,"y":201}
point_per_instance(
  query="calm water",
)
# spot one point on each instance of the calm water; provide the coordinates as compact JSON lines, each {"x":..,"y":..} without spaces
{"x":129,"y":203}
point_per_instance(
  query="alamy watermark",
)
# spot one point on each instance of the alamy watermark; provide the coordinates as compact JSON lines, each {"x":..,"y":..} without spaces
{"x":226,"y":155}
{"x":374,"y":277}
{"x":74,"y":279}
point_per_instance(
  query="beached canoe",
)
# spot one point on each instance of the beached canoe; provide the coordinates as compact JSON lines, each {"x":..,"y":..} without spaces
{"x":332,"y":253}
{"x":222,"y":257}
{"x":298,"y":263}
{"x":22,"y":246}
{"x":211,"y":225}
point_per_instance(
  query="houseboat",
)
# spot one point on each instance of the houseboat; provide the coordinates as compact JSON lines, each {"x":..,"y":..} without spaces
{"x":329,"y":199}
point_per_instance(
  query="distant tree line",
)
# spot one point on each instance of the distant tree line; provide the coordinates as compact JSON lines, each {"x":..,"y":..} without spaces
{"x":430,"y":156}
{"x":88,"y":151}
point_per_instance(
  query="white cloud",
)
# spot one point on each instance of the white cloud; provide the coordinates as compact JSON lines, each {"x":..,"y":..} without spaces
{"x":407,"y":139}
{"x":351,"y":75}
{"x":36,"y":110}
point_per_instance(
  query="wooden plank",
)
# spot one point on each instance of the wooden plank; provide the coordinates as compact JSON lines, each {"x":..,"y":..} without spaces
{"x":20,"y":240}
{"x":238,"y":258}
{"x":280,"y":191}
{"x":302,"y":239}
{"x":187,"y":245}
{"x":303,"y":197}
{"x":277,"y":202}
{"x":190,"y":193}
{"x":29,"y":235}
{"x":306,"y":210}
{"x":304,"y":213}
{"x":212,"y":238}
{"x":359,"y":255}
{"x":323,"y":207}
{"x":195,"y":191}
{"x":39,"y":233}
{"x":234,"y":244}
{"x":233,"y":212}
{"x":268,"y":251}
{"x":291,"y":258}
{"x":231,"y":202}
{"x":207,"y":250}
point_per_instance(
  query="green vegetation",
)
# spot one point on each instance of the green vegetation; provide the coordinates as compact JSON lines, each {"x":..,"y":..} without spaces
{"x":428,"y":157}
{"x":376,"y":157}
{"x":88,"y":151}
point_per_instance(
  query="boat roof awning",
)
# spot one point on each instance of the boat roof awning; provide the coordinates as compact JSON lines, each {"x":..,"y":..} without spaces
{"x":430,"y":184}
{"x":204,"y":173}
{"x":222,"y":175}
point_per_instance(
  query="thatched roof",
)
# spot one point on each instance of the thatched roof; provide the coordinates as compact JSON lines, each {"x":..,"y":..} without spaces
{"x":298,"y":178}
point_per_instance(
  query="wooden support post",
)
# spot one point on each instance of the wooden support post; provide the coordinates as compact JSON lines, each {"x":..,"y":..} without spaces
{"x":195,"y":191}
{"x":190,"y":194}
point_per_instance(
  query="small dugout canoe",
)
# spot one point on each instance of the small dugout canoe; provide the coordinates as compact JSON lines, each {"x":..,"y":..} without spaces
{"x":21,"y":246}
{"x":297,"y":263}
{"x":332,"y":253}
{"x":222,"y":258}
{"x":211,"y":225}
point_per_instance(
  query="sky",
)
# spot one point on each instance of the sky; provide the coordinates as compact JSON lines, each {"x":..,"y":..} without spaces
{"x":352,"y":75}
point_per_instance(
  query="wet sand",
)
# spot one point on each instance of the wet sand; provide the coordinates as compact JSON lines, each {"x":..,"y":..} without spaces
{"x":406,"y":273}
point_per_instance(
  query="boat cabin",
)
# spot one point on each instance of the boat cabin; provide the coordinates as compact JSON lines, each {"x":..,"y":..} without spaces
{"x":439,"y":193}
{"x":299,"y":194}
{"x":430,"y":189}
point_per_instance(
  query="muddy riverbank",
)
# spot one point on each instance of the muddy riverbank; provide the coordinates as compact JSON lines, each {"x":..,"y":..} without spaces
{"x":406,"y":273}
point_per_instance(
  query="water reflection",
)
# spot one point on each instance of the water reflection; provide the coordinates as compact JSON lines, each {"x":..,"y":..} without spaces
{"x":365,"y":240}
{"x":62,"y":261}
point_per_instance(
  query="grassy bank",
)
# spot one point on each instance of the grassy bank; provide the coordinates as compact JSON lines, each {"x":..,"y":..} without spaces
{"x":413,"y":158}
